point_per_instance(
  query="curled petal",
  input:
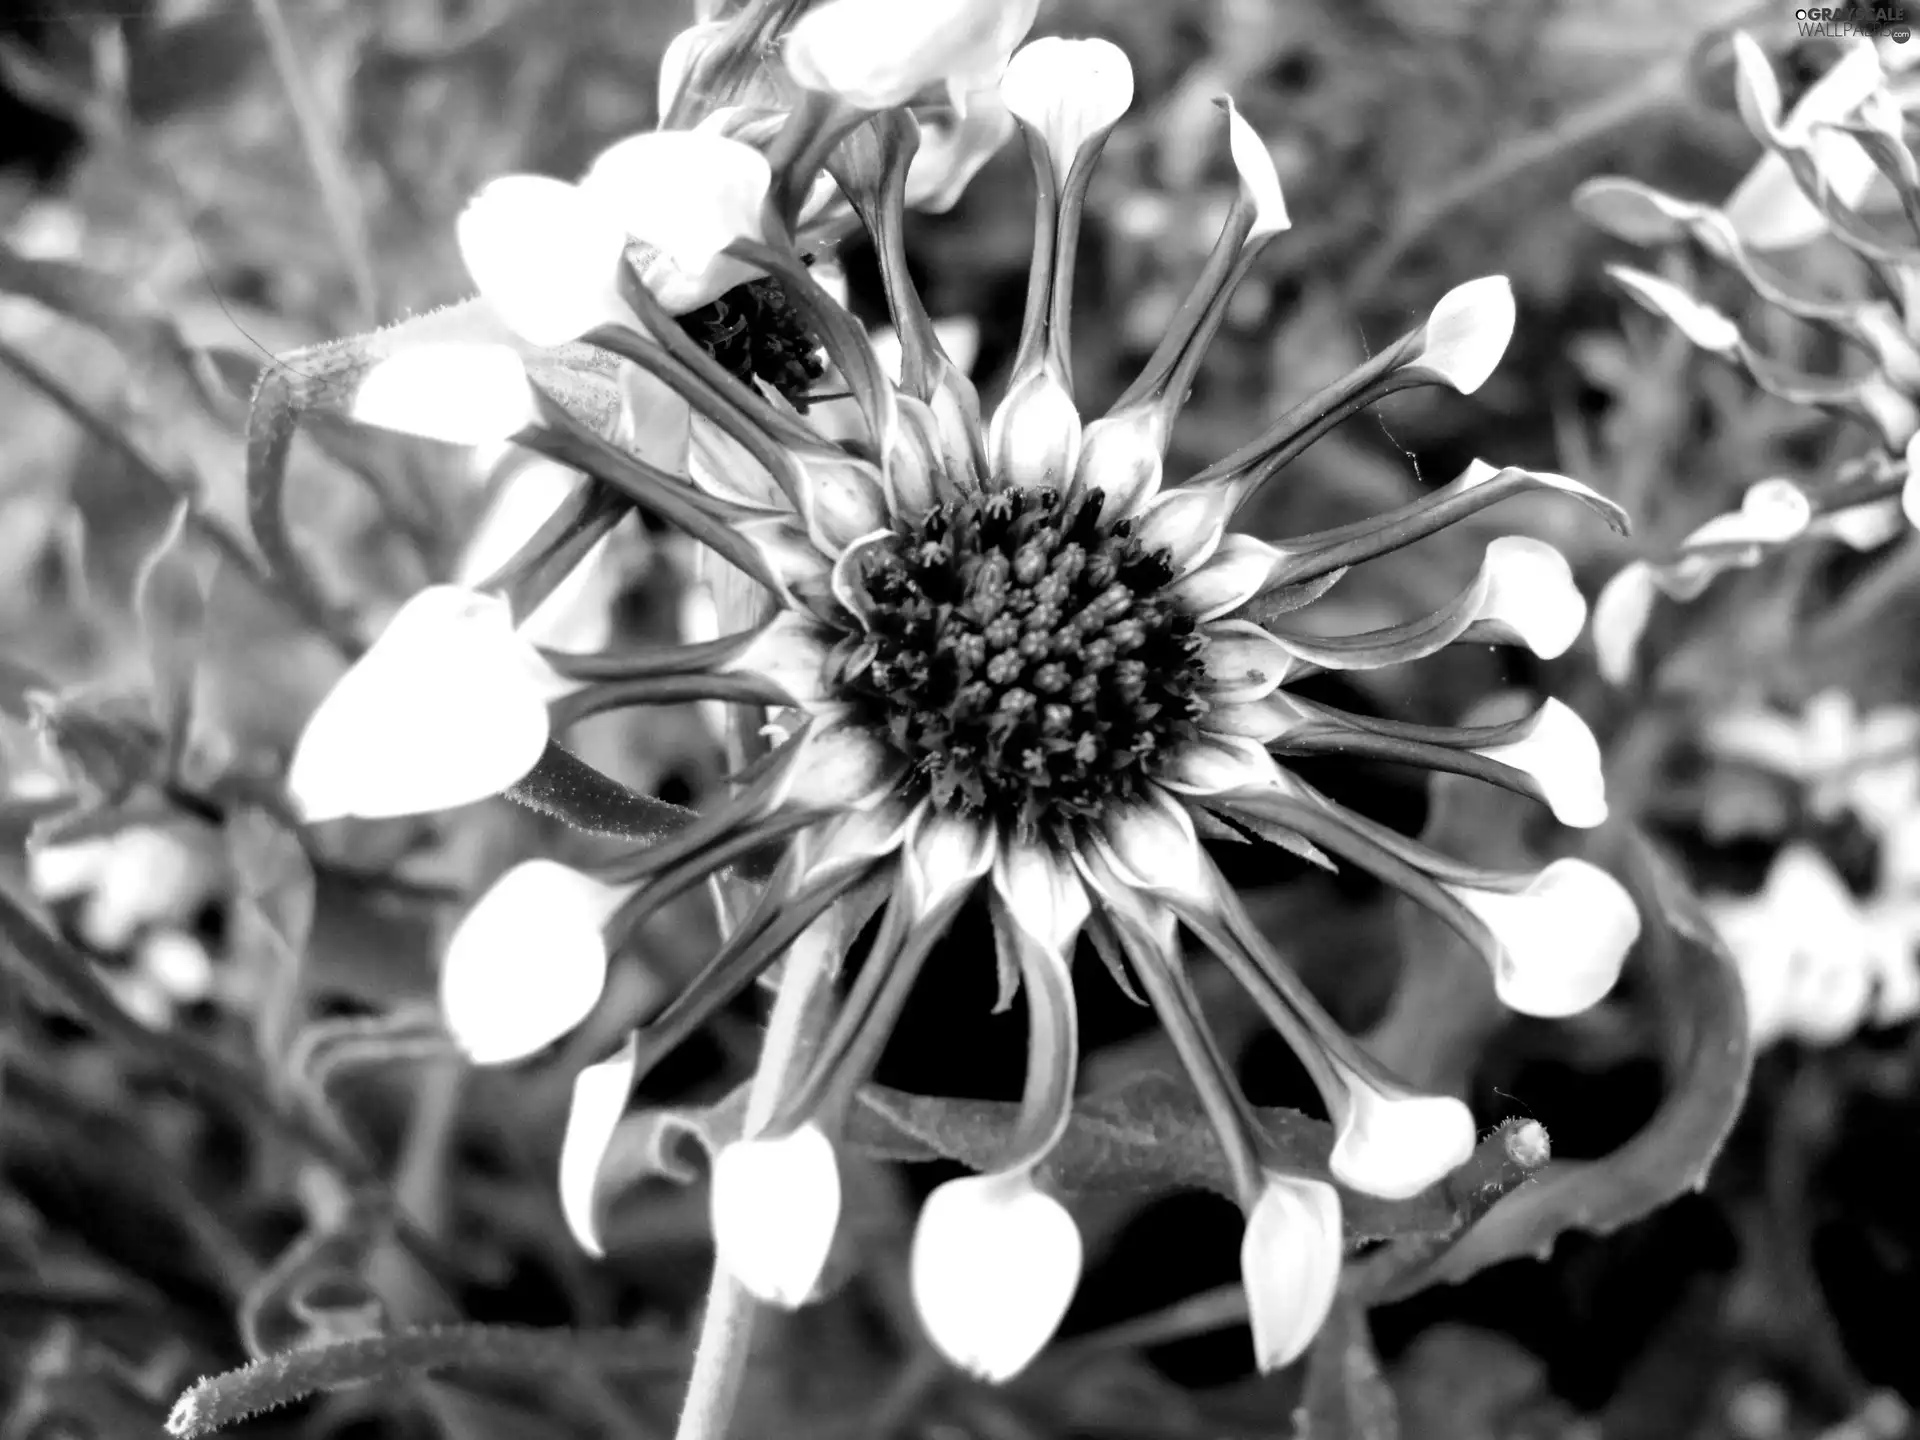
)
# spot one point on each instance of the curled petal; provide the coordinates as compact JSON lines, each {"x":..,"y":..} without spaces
{"x":776,"y":1204}
{"x":448,"y":706}
{"x":1637,"y":212}
{"x":546,"y":256}
{"x":1069,"y":93}
{"x":994,"y":1267}
{"x":838,"y":767}
{"x":1700,"y":323}
{"x":1620,"y":618}
{"x":1531,"y":595}
{"x":1224,"y":764}
{"x":1768,"y":209}
{"x":1258,"y":178}
{"x":1236,"y":572}
{"x":577,"y":615}
{"x":1396,"y":1144}
{"x":1563,"y":758}
{"x":876,"y":54}
{"x":1561,"y":938}
{"x":600,"y":1095}
{"x":1467,"y":333}
{"x":1290,"y":1265}
{"x":688,"y":194}
{"x":527,"y":962}
{"x":951,"y":154}
{"x":464,"y":394}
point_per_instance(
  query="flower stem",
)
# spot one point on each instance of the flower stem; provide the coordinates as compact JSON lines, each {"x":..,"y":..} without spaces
{"x":800,"y":1010}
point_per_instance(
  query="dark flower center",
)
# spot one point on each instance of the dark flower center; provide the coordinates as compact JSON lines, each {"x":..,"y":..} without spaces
{"x":758,"y":334}
{"x":1026,"y":660}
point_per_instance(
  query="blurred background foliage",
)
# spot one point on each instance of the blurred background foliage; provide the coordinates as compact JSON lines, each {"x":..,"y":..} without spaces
{"x":151,"y":152}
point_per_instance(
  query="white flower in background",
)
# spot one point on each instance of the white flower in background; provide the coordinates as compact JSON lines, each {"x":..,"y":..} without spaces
{"x":1845,"y":760}
{"x":1817,"y":963}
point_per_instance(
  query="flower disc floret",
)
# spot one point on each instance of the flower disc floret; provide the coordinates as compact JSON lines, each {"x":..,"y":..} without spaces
{"x":1026,"y":660}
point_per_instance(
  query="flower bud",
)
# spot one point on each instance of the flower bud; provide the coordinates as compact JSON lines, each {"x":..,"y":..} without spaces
{"x":600,"y":1094}
{"x":776,"y":1204}
{"x":1188,"y":522}
{"x":876,"y":54}
{"x":546,"y":256}
{"x":1563,"y":758}
{"x":1290,"y":1265}
{"x":1561,"y":938}
{"x":994,"y":1267}
{"x":1768,"y":210}
{"x":527,"y":963}
{"x":1034,"y":442}
{"x":1233,"y":575}
{"x":1393,"y":1143}
{"x":454,"y":391}
{"x":447,"y":707}
{"x":1120,"y":456}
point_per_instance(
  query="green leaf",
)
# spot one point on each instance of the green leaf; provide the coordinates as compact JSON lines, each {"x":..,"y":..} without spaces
{"x":564,"y":787}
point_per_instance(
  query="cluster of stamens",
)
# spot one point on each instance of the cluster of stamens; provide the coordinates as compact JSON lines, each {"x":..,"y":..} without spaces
{"x":756,"y":331}
{"x":1026,"y":659}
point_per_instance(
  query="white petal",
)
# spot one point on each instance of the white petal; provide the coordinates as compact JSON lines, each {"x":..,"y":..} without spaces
{"x":840,"y":769}
{"x":949,"y":853}
{"x":879,"y":53}
{"x":178,"y":965}
{"x":1290,"y":1265}
{"x":1068,"y":92}
{"x":1188,"y":522}
{"x":776,"y":1204}
{"x":792,"y":653}
{"x":1258,"y":178}
{"x":994,"y":1267}
{"x":1478,"y":472}
{"x":1910,"y":491}
{"x":1468,"y":332}
{"x":464,"y":394}
{"x":1768,"y":210}
{"x":150,"y":873}
{"x":1702,"y":324}
{"x":1531,"y":595}
{"x":950,"y":155}
{"x":678,"y":59}
{"x":600,"y":1095}
{"x":1235,"y":573}
{"x":527,"y":963}
{"x":1562,"y":756}
{"x":1395,"y":1146}
{"x":1620,"y":617}
{"x":448,"y":706}
{"x":1771,"y":512}
{"x":545,"y":255}
{"x":1562,"y":939}
{"x":1034,"y":440}
{"x":1043,"y":893}
{"x":1219,"y":763}
{"x":63,"y":869}
{"x":1243,"y":662}
{"x":688,"y":194}
{"x":1120,"y":456}
{"x":1153,"y":847}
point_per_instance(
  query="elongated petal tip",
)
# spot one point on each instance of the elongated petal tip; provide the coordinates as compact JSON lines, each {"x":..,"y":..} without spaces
{"x":1755,"y":86}
{"x":1468,"y":332}
{"x":1620,"y":617}
{"x":1563,"y":758}
{"x":776,"y":1204}
{"x":600,"y":1095}
{"x":876,"y":54}
{"x":1561,"y":940}
{"x":1772,"y":512}
{"x":1290,"y":1265}
{"x":995,"y":1264}
{"x":545,"y":255}
{"x":527,"y":963}
{"x":464,"y":394}
{"x":1394,"y":1146}
{"x":1702,"y":324}
{"x":1069,"y":92}
{"x":446,"y":707}
{"x":1254,"y":161}
{"x":1531,"y":595}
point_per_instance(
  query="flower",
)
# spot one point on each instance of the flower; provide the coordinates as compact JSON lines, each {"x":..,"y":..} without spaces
{"x":1011,"y":660}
